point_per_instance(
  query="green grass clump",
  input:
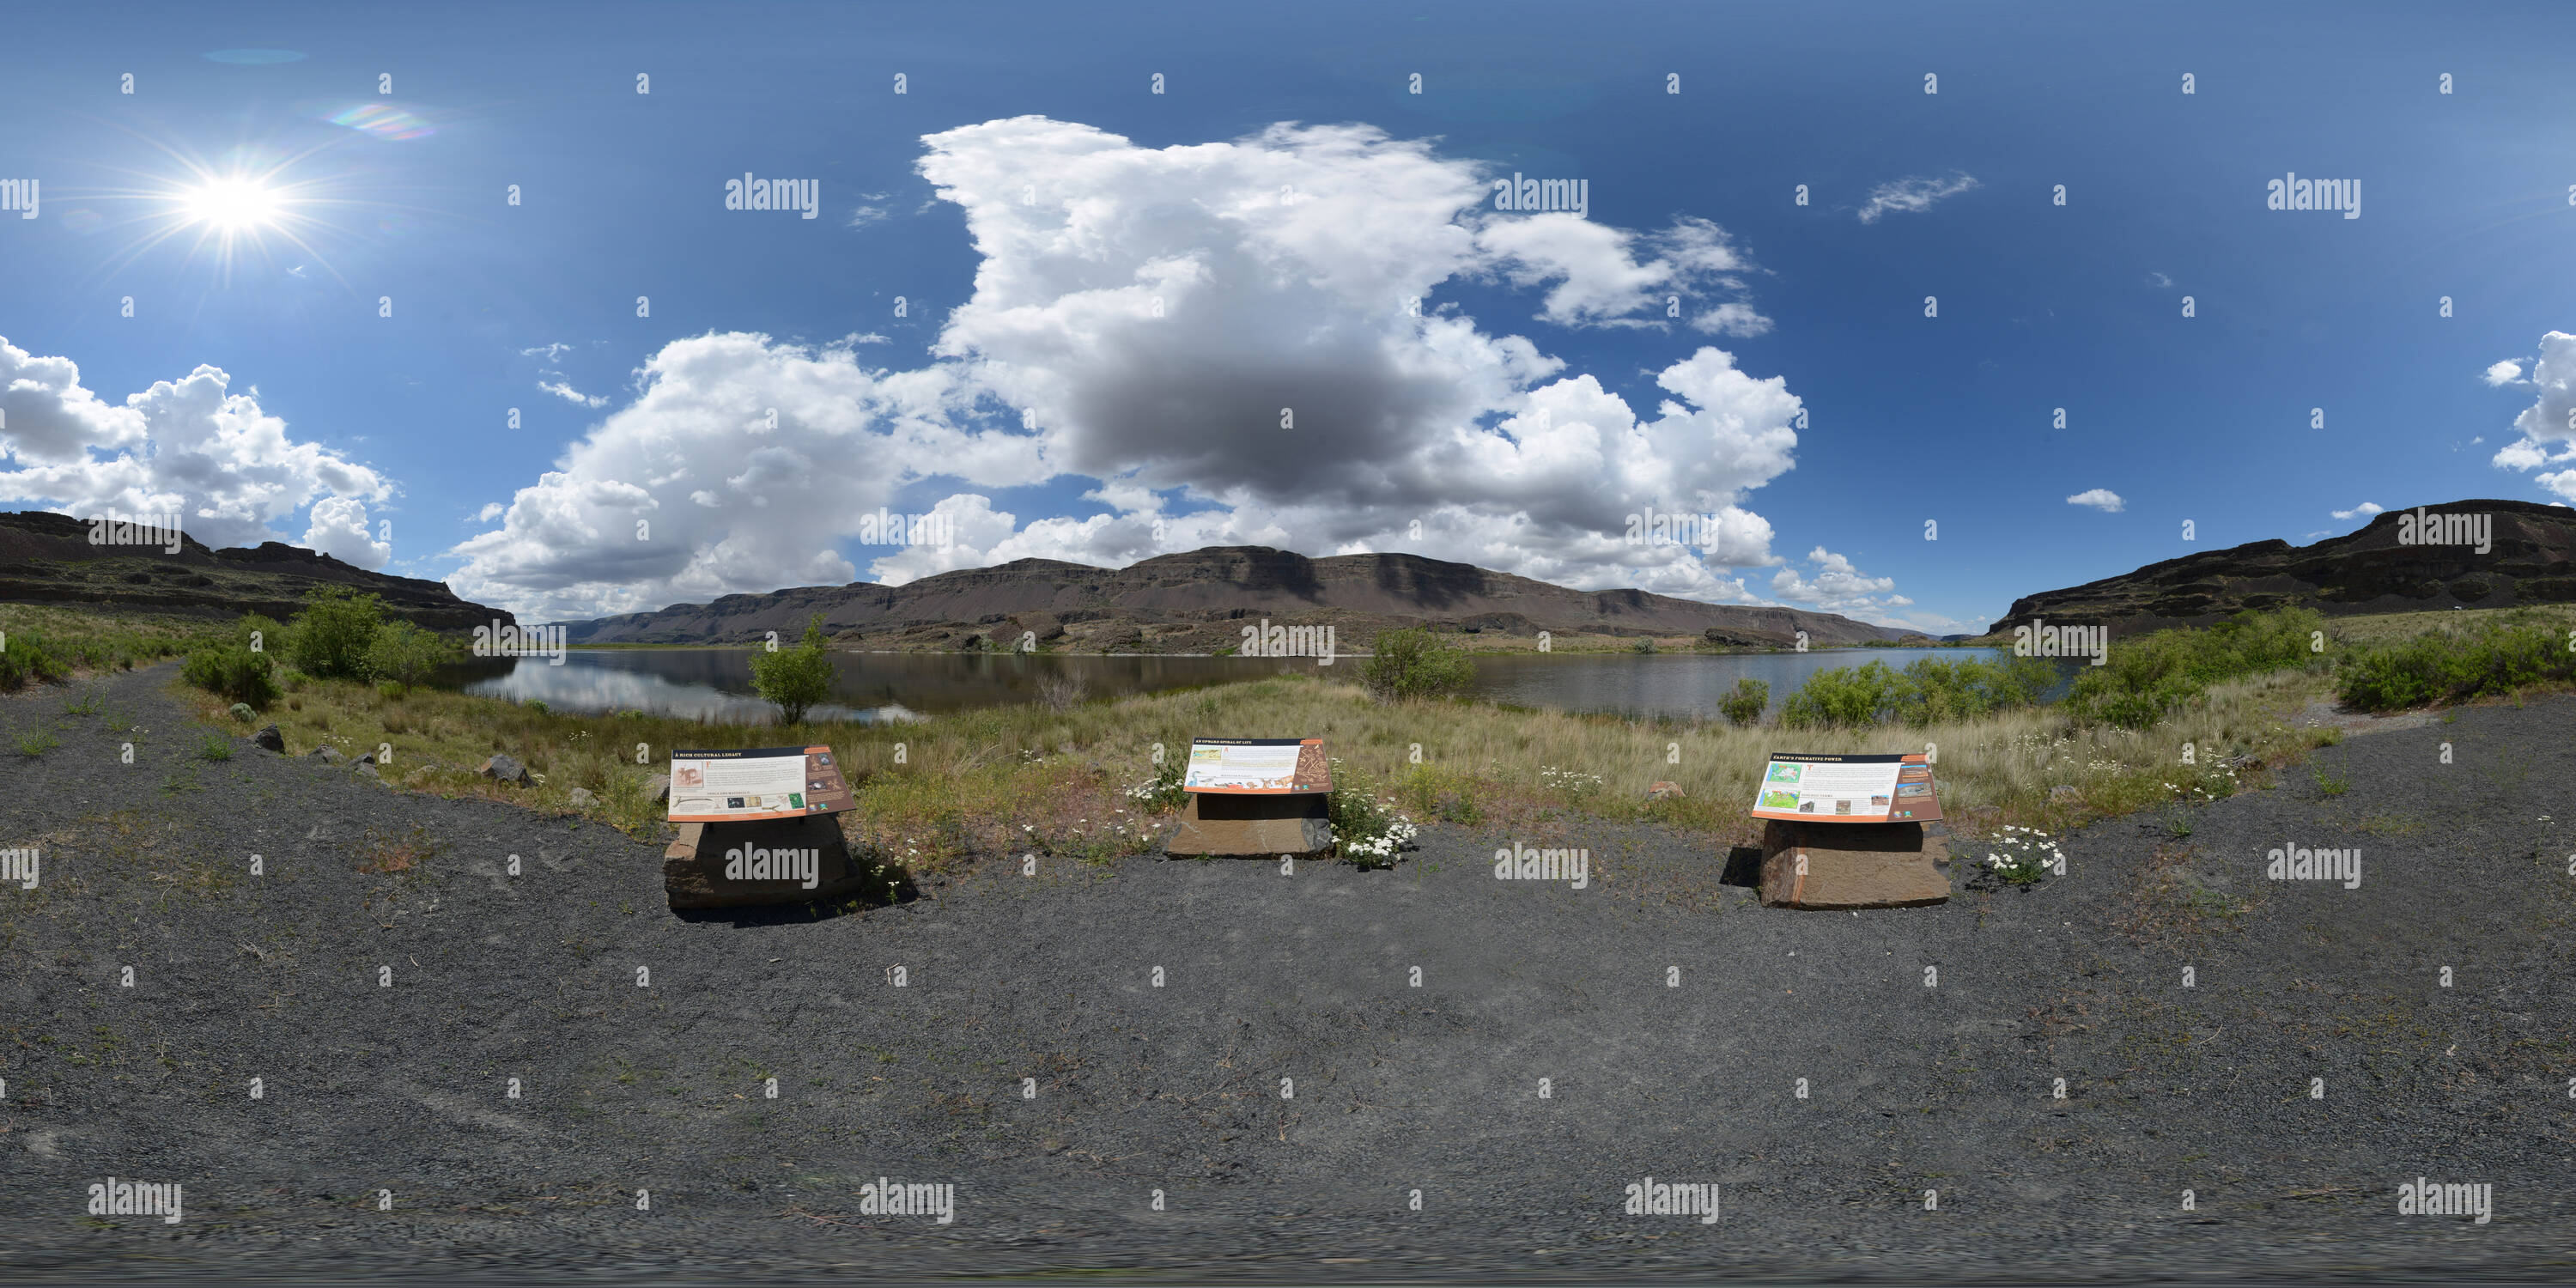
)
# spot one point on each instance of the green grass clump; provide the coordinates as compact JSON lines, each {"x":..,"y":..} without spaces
{"x":24,"y":661}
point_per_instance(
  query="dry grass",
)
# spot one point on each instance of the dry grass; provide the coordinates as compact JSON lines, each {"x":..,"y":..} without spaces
{"x":1052,"y":780}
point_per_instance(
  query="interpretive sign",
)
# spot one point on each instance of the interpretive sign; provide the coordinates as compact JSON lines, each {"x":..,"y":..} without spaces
{"x":1847,"y":789}
{"x":1257,"y":766}
{"x":748,"y":783}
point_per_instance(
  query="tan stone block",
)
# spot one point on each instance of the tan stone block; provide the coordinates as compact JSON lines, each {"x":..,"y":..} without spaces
{"x":1254,"y":826}
{"x":1851,"y":865}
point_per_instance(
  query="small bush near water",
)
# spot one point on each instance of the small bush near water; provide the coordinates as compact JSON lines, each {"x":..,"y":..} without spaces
{"x":1928,"y":691}
{"x":795,"y":678}
{"x":1416,"y":663}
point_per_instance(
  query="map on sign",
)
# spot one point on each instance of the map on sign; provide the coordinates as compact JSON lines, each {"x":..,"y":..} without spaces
{"x":755,"y":783}
{"x":1847,"y":789}
{"x":1258,"y":766}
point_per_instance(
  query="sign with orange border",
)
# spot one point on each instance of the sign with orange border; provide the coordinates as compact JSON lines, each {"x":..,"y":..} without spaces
{"x":743,"y":784}
{"x":1814,"y":788}
{"x":1257,"y":766}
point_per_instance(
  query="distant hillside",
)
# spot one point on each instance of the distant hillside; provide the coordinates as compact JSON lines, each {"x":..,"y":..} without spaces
{"x":2531,"y":558}
{"x":47,"y":558}
{"x":1198,"y":600}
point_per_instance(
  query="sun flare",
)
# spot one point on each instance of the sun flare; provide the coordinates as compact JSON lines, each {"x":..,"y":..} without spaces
{"x":234,"y":205}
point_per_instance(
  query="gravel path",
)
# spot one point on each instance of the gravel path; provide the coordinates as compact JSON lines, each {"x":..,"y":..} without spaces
{"x":1561,"y":1044}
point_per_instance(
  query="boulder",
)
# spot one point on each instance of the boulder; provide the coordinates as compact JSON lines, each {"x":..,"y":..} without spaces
{"x":582,"y":799}
{"x":268,"y":738}
{"x":367,"y":767}
{"x":658,"y":789}
{"x":505,"y":769}
{"x":329,"y":755}
{"x":1851,"y":865}
{"x":1254,"y":826}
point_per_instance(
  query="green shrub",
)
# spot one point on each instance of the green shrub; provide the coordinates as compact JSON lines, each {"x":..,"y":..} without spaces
{"x":1416,"y":663}
{"x":234,"y":672}
{"x":1843,"y":697}
{"x":216,"y":747}
{"x":2149,"y":675}
{"x":271,"y":634}
{"x":405,"y":654}
{"x":2492,"y":659}
{"x":795,"y":678}
{"x":1746,"y":702}
{"x":24,"y":661}
{"x":332,"y":636}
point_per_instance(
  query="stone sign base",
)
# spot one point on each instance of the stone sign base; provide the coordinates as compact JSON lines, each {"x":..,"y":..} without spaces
{"x":1852,"y":865}
{"x":1255,"y":826}
{"x":693,"y":868}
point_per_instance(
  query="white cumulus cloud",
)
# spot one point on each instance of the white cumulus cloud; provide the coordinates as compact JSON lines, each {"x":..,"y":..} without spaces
{"x":2548,"y":425}
{"x":189,"y":446}
{"x":2100,"y":498}
{"x":2361,"y":511}
{"x":2503,"y":373}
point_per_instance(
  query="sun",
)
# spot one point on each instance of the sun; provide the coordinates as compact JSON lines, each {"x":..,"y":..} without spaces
{"x":233,"y":205}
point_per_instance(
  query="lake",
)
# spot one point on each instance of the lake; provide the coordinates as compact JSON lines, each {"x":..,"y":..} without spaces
{"x":715,"y":684}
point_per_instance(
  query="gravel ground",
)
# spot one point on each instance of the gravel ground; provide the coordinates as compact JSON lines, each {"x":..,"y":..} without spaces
{"x":1178,"y":1088}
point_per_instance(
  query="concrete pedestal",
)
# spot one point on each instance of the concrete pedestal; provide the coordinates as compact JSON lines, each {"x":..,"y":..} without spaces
{"x":1255,"y":826}
{"x":1851,"y":865}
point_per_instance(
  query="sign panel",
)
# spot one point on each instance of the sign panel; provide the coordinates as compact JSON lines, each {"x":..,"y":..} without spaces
{"x":1257,"y":766}
{"x":747,"y":783}
{"x":1847,"y":789}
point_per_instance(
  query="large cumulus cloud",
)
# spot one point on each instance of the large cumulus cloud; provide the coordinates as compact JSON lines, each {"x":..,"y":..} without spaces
{"x":189,"y":446}
{"x":1230,"y":340}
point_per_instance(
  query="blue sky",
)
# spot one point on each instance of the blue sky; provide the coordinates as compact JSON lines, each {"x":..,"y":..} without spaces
{"x":1028,"y":197}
